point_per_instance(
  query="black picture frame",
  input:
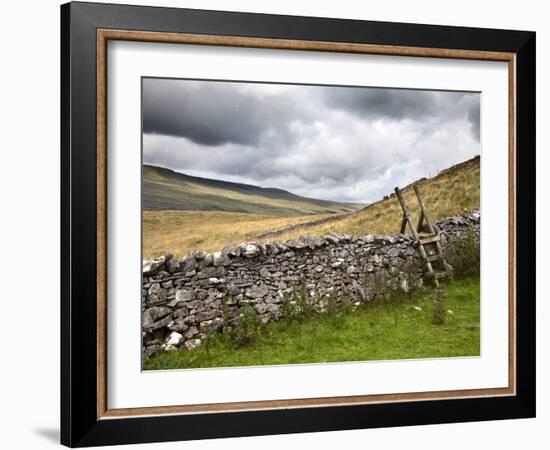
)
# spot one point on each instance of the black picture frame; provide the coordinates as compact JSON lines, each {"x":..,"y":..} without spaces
{"x":80,"y":425}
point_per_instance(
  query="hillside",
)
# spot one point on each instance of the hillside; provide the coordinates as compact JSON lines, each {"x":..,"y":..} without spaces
{"x":450,"y":192}
{"x":164,"y":189}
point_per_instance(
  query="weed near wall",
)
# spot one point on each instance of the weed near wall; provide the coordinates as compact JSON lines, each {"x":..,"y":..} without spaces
{"x":464,"y":256}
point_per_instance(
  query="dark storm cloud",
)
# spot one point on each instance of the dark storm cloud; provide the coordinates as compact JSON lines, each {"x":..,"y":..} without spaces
{"x":210,"y":113}
{"x":349,"y":144}
{"x":400,"y":104}
{"x":387,"y":103}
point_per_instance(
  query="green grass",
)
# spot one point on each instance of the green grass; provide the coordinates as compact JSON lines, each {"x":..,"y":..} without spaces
{"x":381,"y":330}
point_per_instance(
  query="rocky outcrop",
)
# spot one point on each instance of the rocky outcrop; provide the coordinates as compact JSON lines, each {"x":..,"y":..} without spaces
{"x":183,"y":300}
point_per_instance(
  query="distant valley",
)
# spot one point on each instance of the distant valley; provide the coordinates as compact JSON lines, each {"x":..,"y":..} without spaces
{"x":165,"y":189}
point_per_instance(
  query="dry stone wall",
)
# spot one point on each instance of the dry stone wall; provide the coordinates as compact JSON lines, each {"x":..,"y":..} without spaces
{"x":183,"y":300}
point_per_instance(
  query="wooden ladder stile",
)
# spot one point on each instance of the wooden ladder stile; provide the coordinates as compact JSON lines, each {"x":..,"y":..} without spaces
{"x":437,"y":241}
{"x":424,"y":239}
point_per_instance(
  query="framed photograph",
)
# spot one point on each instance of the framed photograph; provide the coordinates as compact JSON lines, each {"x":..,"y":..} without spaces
{"x":276,"y":224}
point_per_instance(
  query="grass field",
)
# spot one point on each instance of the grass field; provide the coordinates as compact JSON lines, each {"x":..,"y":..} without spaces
{"x":400,"y":328}
{"x":182,"y":231}
{"x":179,"y":232}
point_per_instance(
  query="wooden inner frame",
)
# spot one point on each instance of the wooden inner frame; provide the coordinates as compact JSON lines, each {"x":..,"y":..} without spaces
{"x":104,"y":35}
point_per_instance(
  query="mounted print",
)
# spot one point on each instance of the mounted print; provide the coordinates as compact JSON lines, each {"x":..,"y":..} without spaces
{"x":272,"y":233}
{"x":276,"y":224}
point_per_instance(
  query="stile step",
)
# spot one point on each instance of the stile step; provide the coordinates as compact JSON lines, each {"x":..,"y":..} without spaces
{"x":429,"y":240}
{"x":433,"y":258}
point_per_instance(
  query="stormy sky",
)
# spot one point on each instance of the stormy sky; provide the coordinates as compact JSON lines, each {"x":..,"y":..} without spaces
{"x":350,"y":144}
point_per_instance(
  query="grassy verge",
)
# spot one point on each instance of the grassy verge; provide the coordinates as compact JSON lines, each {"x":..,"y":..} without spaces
{"x":400,"y":328}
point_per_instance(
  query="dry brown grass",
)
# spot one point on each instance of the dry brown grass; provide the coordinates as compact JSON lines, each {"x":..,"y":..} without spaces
{"x":179,"y":232}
